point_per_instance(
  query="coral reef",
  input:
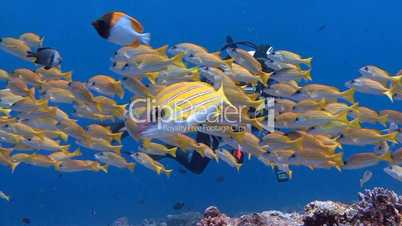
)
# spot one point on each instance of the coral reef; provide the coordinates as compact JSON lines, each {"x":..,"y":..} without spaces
{"x":376,"y":207}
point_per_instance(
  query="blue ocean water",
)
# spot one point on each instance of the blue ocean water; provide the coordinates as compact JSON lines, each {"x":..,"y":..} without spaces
{"x":341,"y":36}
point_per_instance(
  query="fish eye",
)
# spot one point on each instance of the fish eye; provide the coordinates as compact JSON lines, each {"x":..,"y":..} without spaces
{"x":174,"y":47}
{"x":29,"y":139}
{"x":115,"y":53}
{"x":293,"y":155}
{"x":6,"y":126}
{"x":114,"y":64}
{"x":70,"y":83}
{"x":191,"y":55}
{"x":298,"y":91}
{"x":341,"y":136}
{"x":125,"y":66}
{"x":274,"y":73}
{"x":124,"y":78}
{"x":297,"y":119}
{"x":93,"y":83}
{"x":313,"y":127}
{"x":365,"y":68}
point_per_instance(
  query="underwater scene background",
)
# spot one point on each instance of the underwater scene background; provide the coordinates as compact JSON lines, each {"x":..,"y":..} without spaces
{"x":341,"y":36}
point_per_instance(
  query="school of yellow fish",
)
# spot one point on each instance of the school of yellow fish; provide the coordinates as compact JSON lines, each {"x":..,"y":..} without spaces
{"x":312,"y":121}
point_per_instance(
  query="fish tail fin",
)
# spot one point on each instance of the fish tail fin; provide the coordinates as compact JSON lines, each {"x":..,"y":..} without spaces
{"x":40,"y":134}
{"x":77,"y":152}
{"x":14,"y":166}
{"x":178,"y":60}
{"x":119,"y":110}
{"x":224,"y":99}
{"x":104,"y":168}
{"x":259,"y":105}
{"x":338,"y":159}
{"x":162,"y":50}
{"x":131,"y":166}
{"x":152,"y":76}
{"x":342,"y":117}
{"x":145,"y":38}
{"x":392,"y":137}
{"x":390,"y":94}
{"x":117,"y":149}
{"x":265,"y":78}
{"x":42,"y":103}
{"x":383,"y":119}
{"x":196,"y":73}
{"x":31,"y":93}
{"x":57,"y":166}
{"x":349,"y":95}
{"x":65,"y":148}
{"x":117,"y":137}
{"x":62,"y":135}
{"x":387,"y":156}
{"x":229,"y":62}
{"x":68,"y":75}
{"x":355,"y":123}
{"x":168,"y":172}
{"x":119,"y":89}
{"x":172,"y":152}
{"x":297,"y":143}
{"x":307,"y":75}
{"x":354,"y":107}
{"x":308,"y":61}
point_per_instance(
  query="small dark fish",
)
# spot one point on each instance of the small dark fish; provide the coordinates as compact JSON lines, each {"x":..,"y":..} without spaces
{"x":321,"y":28}
{"x":220,"y":179}
{"x":178,"y":206}
{"x":46,"y":57}
{"x":25,"y":220}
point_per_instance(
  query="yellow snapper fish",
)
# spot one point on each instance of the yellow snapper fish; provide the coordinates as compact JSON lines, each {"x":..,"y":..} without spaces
{"x":286,"y":120}
{"x":363,"y":136}
{"x":320,"y":91}
{"x":17,"y":48}
{"x":98,"y":131}
{"x":58,"y":95}
{"x":32,"y":40}
{"x":127,"y":52}
{"x":227,"y":157}
{"x":174,"y":74}
{"x":336,"y":108}
{"x":113,"y":159}
{"x":240,"y":117}
{"x":100,"y":145}
{"x":368,"y":86}
{"x":73,"y":129}
{"x":367,"y":115}
{"x":61,"y":84}
{"x":39,"y":122}
{"x":314,"y":159}
{"x":284,"y":105}
{"x":289,"y":74}
{"x":151,"y":63}
{"x":45,"y":143}
{"x":106,"y":85}
{"x":285,"y":90}
{"x":277,"y":139}
{"x":4,"y":196}
{"x":317,"y":118}
{"x":56,"y":134}
{"x":109,"y":107}
{"x":248,"y":142}
{"x":314,"y":142}
{"x":28,"y":104}
{"x":289,"y":57}
{"x":181,"y":141}
{"x":22,"y":129}
{"x":378,"y":74}
{"x":82,"y":94}
{"x":151,"y":164}
{"x":366,"y":159}
{"x":187,"y":49}
{"x":29,"y":77}
{"x":4,"y":75}
{"x":309,"y":105}
{"x":64,"y":155}
{"x":73,"y":165}
{"x":151,"y":148}
{"x":240,"y":74}
{"x":209,"y":60}
{"x":37,"y":160}
{"x":54,"y":73}
{"x":84,"y":111}
{"x":334,"y":128}
{"x":8,"y":98}
{"x":19,"y":87}
{"x":245,"y":59}
{"x":137,"y":87}
{"x":393,"y":116}
{"x":209,"y":153}
{"x":6,"y":159}
{"x":394,"y":171}
{"x":277,"y":66}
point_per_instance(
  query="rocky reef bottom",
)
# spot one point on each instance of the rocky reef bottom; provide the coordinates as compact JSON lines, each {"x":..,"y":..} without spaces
{"x":376,"y":207}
